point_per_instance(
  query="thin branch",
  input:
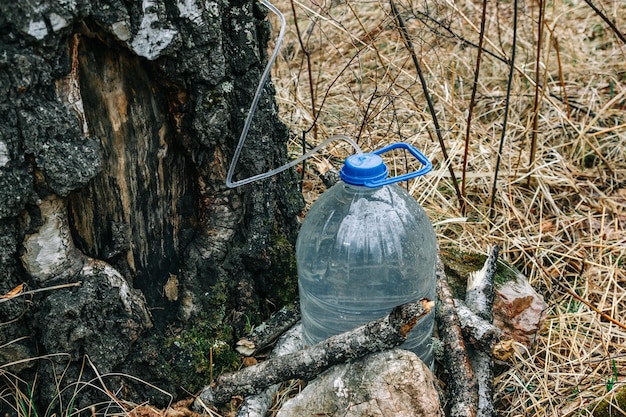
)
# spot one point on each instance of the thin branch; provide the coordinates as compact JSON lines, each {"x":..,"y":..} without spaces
{"x":506,"y":111}
{"x":608,"y":21}
{"x":431,"y":107}
{"x":533,"y":141}
{"x":52,"y":288}
{"x":481,"y":37}
{"x":577,"y":297}
{"x":555,"y":41}
{"x":461,"y":38}
{"x":307,"y":55}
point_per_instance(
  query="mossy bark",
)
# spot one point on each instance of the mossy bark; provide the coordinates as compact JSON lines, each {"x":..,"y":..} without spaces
{"x":126,"y":114}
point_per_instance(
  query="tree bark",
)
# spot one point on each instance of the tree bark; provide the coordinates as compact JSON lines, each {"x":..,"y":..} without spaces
{"x":267,"y":332}
{"x":119,"y":122}
{"x":479,"y":333}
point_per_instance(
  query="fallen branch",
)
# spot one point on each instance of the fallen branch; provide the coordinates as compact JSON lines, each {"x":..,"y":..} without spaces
{"x":385,"y":333}
{"x":479,"y":293}
{"x":462,"y":390}
{"x":263,"y":335}
{"x":258,"y":404}
{"x":477,"y":331}
{"x":479,"y":299}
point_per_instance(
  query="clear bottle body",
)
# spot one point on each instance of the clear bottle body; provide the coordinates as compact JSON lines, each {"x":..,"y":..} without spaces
{"x":361,"y":252}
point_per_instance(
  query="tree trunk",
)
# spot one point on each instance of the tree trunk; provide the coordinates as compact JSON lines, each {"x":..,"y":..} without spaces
{"x":119,"y":120}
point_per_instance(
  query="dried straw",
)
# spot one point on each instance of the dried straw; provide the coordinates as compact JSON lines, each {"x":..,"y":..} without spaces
{"x":560,"y":217}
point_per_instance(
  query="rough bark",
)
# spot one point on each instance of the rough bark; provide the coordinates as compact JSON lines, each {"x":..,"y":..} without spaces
{"x":377,"y":335}
{"x":119,"y":122}
{"x":462,"y":389}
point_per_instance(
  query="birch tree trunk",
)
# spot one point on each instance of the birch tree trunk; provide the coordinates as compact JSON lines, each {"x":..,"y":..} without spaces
{"x":118,"y":122}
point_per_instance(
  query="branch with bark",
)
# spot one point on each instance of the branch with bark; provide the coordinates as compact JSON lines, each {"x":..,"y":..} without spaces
{"x":479,"y":299}
{"x":385,"y":333}
{"x":463,"y":392}
{"x":263,"y":335}
{"x":258,"y":404}
{"x":478,"y":332}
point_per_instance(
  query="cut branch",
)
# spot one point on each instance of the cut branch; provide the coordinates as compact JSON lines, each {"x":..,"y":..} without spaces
{"x":477,"y":332}
{"x":385,"y":333}
{"x":463,"y":394}
{"x":257,"y":405}
{"x":479,"y":299}
{"x":479,"y":293}
{"x":264,"y":334}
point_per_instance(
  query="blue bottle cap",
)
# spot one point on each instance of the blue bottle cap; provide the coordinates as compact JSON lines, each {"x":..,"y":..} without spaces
{"x":362,"y":169}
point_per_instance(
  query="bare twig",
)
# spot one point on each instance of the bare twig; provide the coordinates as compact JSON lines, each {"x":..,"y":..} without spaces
{"x":431,"y":107}
{"x":565,"y":101}
{"x":307,"y":55}
{"x":608,"y":21}
{"x":506,"y":111}
{"x":577,"y":297}
{"x":38,"y":290}
{"x":479,"y":53}
{"x":533,"y":141}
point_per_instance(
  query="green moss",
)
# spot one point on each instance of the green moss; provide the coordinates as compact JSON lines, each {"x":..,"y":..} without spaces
{"x":186,"y":359}
{"x":207,"y":347}
{"x":611,"y":407}
{"x":283,"y":260}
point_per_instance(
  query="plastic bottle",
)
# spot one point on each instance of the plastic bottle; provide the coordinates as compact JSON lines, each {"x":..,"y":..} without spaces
{"x":365,"y":247}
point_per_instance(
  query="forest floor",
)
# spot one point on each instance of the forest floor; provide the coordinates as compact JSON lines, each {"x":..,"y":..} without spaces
{"x":542,"y":172}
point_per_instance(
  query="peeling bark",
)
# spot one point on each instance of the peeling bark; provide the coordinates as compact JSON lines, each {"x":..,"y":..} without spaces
{"x":49,"y":253}
{"x":257,"y":405}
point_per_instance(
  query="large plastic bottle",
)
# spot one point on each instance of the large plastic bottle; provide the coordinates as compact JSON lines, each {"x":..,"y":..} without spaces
{"x":365,"y":247}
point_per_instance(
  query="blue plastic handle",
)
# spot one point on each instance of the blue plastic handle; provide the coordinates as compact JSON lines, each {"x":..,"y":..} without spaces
{"x":428,"y":166}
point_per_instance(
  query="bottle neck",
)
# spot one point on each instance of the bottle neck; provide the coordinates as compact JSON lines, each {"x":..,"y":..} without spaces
{"x":358,"y":189}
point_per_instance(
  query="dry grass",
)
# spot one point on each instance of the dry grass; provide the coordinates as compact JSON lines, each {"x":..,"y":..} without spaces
{"x":560,"y":216}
